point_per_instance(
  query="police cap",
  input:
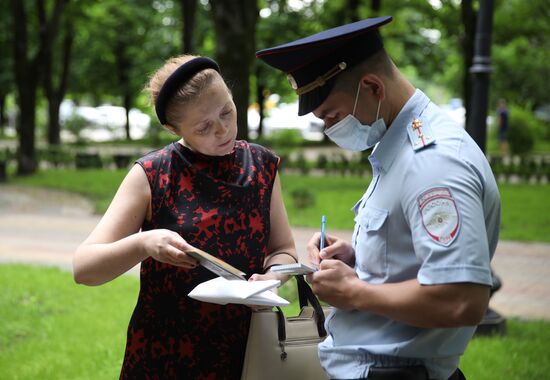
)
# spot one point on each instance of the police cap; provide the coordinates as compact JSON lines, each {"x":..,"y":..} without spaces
{"x":313,"y":62}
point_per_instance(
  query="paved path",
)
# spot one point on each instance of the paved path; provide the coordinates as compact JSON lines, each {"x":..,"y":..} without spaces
{"x":44,"y":227}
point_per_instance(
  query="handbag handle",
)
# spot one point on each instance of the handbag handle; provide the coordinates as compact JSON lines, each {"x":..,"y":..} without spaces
{"x":305,"y":296}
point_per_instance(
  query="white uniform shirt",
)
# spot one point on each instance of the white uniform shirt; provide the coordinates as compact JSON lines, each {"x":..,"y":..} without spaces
{"x":431,"y":212}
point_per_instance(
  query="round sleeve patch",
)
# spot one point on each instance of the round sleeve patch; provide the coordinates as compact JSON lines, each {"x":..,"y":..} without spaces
{"x":440,"y":216}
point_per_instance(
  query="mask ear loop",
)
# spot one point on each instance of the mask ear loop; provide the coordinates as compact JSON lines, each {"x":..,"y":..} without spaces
{"x":356,"y":98}
{"x":378,"y":110}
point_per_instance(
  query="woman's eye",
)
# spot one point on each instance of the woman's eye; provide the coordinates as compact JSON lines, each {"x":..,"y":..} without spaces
{"x":227,"y":112}
{"x":203,"y":130}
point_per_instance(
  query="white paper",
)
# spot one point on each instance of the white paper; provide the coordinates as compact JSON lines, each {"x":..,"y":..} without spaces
{"x":222,"y":291}
{"x":293,"y":269}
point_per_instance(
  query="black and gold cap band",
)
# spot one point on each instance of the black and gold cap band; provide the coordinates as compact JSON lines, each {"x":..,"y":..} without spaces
{"x":320,"y":81}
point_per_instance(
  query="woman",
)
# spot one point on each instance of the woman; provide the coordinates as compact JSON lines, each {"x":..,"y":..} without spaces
{"x":205,"y":191}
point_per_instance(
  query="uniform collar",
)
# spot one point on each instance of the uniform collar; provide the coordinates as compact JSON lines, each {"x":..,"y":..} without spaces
{"x":387,"y":149}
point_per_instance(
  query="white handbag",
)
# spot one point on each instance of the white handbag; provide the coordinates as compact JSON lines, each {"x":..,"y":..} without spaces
{"x":282,"y":347}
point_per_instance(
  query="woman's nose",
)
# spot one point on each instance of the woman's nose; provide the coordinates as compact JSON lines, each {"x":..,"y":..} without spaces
{"x":221,"y":128}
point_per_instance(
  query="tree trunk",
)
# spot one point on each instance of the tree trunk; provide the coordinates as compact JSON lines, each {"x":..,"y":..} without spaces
{"x":123,"y":65}
{"x":56,"y":95}
{"x":48,"y":33}
{"x":3,"y":118}
{"x":375,"y":6}
{"x":188,"y":10}
{"x":235,"y":25}
{"x":353,"y":10}
{"x":26,"y":78}
{"x":260,"y":99}
{"x":127,"y":106}
{"x":469,"y":22}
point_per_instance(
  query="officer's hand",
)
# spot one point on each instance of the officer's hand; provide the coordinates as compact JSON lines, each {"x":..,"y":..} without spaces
{"x":335,"y":283}
{"x":335,"y":248}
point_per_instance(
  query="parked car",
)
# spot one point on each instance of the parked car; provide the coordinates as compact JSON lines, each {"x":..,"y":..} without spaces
{"x":106,"y":122}
{"x":283,"y":117}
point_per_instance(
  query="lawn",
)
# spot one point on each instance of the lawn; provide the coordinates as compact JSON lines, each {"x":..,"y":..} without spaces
{"x":525,"y":208}
{"x":51,"y":328}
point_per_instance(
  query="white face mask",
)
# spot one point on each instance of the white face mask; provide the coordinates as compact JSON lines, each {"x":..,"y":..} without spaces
{"x":350,"y":134}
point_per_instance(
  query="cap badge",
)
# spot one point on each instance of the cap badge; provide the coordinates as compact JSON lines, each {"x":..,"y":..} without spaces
{"x":292,"y":81}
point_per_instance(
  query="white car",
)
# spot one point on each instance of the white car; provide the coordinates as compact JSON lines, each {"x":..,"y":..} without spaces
{"x":106,"y":122}
{"x":284,"y":117}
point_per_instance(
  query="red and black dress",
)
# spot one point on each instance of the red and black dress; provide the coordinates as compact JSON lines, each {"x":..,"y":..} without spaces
{"x":220,"y":205}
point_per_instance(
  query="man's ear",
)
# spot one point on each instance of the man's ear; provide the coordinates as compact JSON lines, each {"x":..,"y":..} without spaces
{"x":374,"y":84}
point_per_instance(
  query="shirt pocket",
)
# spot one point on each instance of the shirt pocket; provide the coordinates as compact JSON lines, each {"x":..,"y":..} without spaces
{"x":371,"y":242}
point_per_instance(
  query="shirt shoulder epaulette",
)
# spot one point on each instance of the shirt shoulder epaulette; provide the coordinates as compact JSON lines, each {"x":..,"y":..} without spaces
{"x":420,"y":134}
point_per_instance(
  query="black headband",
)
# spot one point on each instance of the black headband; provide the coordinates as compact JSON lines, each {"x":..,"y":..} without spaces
{"x":177,"y":79}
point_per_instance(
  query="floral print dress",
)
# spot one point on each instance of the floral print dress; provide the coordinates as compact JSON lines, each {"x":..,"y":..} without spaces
{"x":218,"y":204}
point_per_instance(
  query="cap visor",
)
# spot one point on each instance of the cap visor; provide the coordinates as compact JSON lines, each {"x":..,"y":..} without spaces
{"x":309,"y":101}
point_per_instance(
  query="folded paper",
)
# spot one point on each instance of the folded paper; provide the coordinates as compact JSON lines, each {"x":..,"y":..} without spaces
{"x":222,"y":291}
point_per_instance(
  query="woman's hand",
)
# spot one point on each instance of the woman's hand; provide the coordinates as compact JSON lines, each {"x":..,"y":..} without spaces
{"x":269,"y":276}
{"x":168,"y":247}
{"x":263,"y":277}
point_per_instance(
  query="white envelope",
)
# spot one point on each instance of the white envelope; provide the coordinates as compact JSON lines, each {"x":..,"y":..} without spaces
{"x":222,"y":291}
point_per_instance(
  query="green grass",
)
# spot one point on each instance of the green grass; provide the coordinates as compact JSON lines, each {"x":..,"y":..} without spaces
{"x":96,"y":184}
{"x":525,"y":208}
{"x":333,"y":196}
{"x":521,"y":354}
{"x":51,"y":328}
{"x":525,"y":212}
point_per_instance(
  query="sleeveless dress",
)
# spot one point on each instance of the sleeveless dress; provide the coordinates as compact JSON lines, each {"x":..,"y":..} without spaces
{"x":217,"y":204}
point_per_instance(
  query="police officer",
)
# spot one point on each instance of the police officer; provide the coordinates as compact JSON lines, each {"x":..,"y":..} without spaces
{"x":414,"y":282}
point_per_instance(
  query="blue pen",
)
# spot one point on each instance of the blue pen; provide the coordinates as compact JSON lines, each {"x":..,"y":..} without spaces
{"x":323,"y":224}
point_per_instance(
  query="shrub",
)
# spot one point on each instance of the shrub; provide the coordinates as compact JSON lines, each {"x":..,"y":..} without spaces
{"x":524,"y":129}
{"x":322,"y":161}
{"x":285,"y":138}
{"x":301,"y":164}
{"x":56,"y":156}
{"x":75,"y":125}
{"x":302,"y":198}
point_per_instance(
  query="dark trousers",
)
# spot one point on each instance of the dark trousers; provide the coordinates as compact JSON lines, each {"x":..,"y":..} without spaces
{"x":405,"y":373}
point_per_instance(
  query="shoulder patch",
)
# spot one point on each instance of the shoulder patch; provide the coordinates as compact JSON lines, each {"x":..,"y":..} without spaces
{"x":440,"y":216}
{"x":420,"y":134}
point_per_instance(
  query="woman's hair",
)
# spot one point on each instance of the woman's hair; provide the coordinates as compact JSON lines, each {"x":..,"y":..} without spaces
{"x":186,"y":94}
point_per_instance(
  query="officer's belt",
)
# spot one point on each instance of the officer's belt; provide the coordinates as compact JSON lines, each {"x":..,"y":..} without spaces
{"x":405,"y":373}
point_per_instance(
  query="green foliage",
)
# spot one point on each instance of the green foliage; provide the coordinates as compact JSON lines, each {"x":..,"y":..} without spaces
{"x":301,"y":164}
{"x":88,"y":161}
{"x":523,"y":131}
{"x":286,"y":138}
{"x":302,"y":198}
{"x":75,"y":124}
{"x":56,"y":155}
{"x":521,"y":51}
